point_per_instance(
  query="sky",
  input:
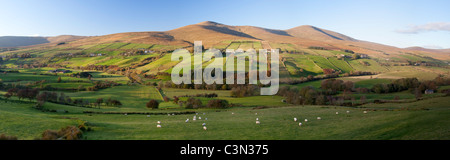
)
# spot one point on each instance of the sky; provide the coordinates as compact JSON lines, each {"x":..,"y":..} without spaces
{"x":400,"y":23}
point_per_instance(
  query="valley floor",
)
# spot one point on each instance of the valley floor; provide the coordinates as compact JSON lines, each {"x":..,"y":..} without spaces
{"x":425,"y":119}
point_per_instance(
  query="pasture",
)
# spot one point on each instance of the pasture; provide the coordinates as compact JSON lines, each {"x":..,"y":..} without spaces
{"x":427,"y":119}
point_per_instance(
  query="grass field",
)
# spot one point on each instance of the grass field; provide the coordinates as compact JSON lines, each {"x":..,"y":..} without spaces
{"x":133,"y":98}
{"x":341,"y":64}
{"x":14,"y":77}
{"x":322,"y":62}
{"x":276,"y":123}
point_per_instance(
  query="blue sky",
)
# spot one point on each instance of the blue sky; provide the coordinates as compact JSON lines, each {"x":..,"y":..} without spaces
{"x":400,"y":23}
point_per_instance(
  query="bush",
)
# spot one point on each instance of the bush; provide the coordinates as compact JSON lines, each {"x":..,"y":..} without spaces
{"x":193,"y":103}
{"x":67,"y":133}
{"x":217,"y":103}
{"x":5,"y":137}
{"x":166,"y":99}
{"x":153,"y":104}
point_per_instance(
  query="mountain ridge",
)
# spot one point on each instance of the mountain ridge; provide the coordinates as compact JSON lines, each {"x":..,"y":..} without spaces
{"x":217,"y":34}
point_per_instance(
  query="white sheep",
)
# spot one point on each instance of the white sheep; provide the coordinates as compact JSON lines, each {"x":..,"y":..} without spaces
{"x":348,"y":112}
{"x":204,"y":113}
{"x":257,"y":119}
{"x":232,"y":113}
{"x":206,"y":119}
{"x":159,"y":122}
{"x":196,"y":113}
{"x":300,"y":124}
{"x":194,"y":119}
{"x":158,"y":126}
{"x":200,"y":118}
{"x":173,"y":114}
{"x":295,"y":119}
{"x":365,"y":112}
{"x":256,"y":113}
{"x":204,"y":124}
{"x":204,"y":128}
{"x":257,"y":122}
{"x":125,"y":114}
{"x":187,"y":120}
{"x":148,"y":115}
{"x":306,"y":120}
{"x":337,"y":113}
{"x":319,"y":118}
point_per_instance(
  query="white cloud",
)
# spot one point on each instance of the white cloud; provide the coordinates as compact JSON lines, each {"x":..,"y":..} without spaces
{"x":435,"y":26}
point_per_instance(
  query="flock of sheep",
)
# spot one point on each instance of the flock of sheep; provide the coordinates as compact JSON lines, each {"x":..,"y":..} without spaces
{"x":194,"y":118}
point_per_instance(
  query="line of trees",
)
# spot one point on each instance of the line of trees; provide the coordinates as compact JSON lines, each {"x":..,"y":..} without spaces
{"x":331,"y":74}
{"x":42,"y":97}
{"x":206,"y":95}
{"x":330,"y":87}
{"x":194,"y":103}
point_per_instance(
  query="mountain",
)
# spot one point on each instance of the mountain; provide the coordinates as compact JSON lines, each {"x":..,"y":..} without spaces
{"x":314,"y":33}
{"x":218,"y":35}
{"x":19,"y":41}
{"x":428,"y":50}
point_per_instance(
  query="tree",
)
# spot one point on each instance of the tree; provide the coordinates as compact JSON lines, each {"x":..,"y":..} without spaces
{"x":328,"y":71}
{"x":176,"y":99}
{"x":217,"y":103}
{"x":99,"y":102}
{"x":348,"y":86}
{"x":116,"y":103}
{"x":22,"y":94}
{"x":356,"y":56}
{"x":166,"y":99}
{"x":193,"y":103}
{"x":7,"y":96}
{"x":41,"y":99}
{"x":417,"y":93}
{"x":152,"y":104}
{"x":13,"y":91}
{"x":321,"y":100}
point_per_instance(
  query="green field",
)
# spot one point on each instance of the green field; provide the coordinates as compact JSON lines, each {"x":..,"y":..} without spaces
{"x":133,"y":98}
{"x":341,"y":64}
{"x":15,"y":77}
{"x":276,"y":123}
{"x":322,"y":62}
{"x":406,"y":119}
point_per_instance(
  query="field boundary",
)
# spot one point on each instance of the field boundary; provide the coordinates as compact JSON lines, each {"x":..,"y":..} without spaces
{"x":142,"y":113}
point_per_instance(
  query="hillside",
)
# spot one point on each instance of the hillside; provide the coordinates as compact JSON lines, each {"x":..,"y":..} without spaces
{"x":20,"y":41}
{"x":305,"y":50}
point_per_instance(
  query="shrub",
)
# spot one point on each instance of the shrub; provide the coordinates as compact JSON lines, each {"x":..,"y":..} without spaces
{"x":217,"y":103}
{"x":166,"y":99}
{"x":153,"y":104}
{"x":176,"y":99}
{"x":67,"y":133}
{"x":193,"y":103}
{"x":116,"y":103}
{"x":5,"y":137}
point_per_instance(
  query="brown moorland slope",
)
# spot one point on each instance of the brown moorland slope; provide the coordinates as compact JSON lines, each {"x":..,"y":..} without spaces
{"x":213,"y":33}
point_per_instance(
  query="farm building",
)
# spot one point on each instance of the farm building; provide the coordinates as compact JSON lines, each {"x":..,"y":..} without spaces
{"x":364,"y":56}
{"x":429,"y":91}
